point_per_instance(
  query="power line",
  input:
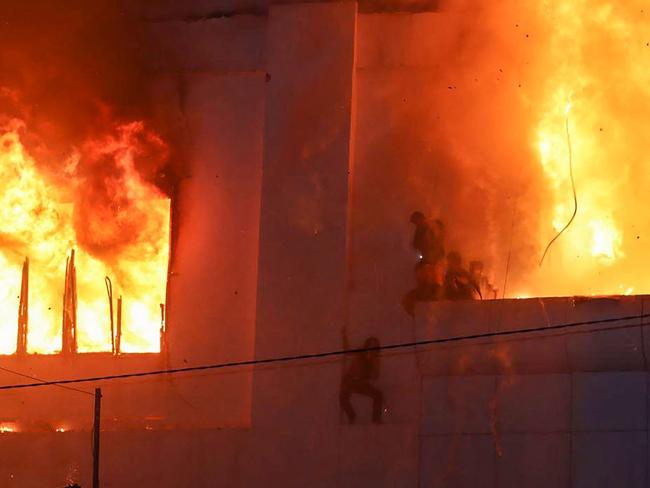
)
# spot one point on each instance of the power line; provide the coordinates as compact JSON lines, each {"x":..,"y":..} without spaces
{"x":71,"y":388}
{"x":320,"y":355}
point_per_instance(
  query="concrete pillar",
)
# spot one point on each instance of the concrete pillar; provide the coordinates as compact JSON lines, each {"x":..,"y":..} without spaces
{"x":213,"y":280}
{"x":303,"y":233}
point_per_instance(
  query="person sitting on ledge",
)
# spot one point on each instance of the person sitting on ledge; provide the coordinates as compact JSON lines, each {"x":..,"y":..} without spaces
{"x":427,"y":289}
{"x":458,"y":283}
{"x":483,"y":288}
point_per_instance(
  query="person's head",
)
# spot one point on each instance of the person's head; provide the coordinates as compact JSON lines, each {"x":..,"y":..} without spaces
{"x":417,"y":218}
{"x":454,"y":261}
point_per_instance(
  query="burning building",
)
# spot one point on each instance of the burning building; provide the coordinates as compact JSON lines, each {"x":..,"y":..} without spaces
{"x":217,"y":182}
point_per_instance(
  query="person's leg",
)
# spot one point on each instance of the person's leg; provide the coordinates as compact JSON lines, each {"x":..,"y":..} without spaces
{"x":377,"y":396}
{"x":377,"y":404}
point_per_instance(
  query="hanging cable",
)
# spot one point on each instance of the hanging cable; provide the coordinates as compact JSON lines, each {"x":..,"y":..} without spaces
{"x":573,"y":187}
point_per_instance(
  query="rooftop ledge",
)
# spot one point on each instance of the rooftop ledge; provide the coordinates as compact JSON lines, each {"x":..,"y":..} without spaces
{"x":620,"y":345}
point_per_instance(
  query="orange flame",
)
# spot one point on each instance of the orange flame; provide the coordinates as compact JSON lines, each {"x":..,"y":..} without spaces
{"x":40,"y":219}
{"x":595,"y":101}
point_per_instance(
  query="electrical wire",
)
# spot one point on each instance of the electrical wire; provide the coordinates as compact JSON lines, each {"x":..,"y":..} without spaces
{"x":320,"y":355}
{"x":71,"y":388}
{"x":573,"y":187}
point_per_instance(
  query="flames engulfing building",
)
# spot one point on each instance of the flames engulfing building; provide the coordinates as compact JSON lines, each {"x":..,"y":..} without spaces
{"x":219,"y":181}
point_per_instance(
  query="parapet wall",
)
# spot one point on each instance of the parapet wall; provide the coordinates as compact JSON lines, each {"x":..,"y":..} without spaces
{"x":562,"y":408}
{"x":616,"y":345}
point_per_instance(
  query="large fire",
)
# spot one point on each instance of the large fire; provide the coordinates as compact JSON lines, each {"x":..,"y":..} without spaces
{"x":125,"y":237}
{"x":592,"y":122}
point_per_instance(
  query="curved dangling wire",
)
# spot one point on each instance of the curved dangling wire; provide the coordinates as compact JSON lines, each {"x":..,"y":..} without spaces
{"x":573,"y":187}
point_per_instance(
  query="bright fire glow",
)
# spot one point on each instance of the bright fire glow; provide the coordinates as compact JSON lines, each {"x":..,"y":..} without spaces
{"x":594,"y":232}
{"x":37,"y":220}
{"x":597,"y":84}
{"x":8,"y":427}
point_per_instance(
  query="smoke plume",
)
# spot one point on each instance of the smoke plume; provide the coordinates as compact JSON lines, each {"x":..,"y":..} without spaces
{"x":75,"y":74}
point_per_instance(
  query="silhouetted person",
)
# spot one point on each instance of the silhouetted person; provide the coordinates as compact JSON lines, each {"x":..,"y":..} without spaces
{"x":428,"y":239}
{"x":458,"y":283}
{"x":476,"y":278}
{"x":484,"y":289}
{"x":359,"y":376}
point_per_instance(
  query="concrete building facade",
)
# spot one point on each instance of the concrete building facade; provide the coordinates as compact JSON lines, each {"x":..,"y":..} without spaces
{"x":290,"y":225}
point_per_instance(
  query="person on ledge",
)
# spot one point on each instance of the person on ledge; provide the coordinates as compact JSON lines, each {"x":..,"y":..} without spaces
{"x":428,"y":239}
{"x":428,"y":287}
{"x":483,"y":288}
{"x":458,"y":284}
{"x":359,"y":376}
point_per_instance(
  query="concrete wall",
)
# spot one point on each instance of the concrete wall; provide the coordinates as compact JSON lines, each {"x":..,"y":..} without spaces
{"x":302,"y":262}
{"x":553,"y":408}
{"x":564,"y":408}
{"x":214,"y":276}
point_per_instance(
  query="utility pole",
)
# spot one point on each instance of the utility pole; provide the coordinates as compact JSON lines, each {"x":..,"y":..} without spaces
{"x":98,"y":408}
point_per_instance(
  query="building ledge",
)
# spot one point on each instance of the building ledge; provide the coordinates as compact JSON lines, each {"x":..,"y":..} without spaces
{"x":615,"y":345}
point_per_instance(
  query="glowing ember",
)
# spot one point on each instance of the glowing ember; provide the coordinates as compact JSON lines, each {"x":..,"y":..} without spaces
{"x":125,"y":235}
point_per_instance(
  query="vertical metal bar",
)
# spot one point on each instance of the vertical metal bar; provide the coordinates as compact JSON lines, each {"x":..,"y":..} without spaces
{"x":69,"y":326}
{"x":65,"y":346}
{"x":73,"y":284}
{"x":118,"y":336}
{"x":109,"y":291}
{"x":23,"y":311}
{"x":173,"y":203}
{"x":96,"y":430}
{"x":163,"y":330}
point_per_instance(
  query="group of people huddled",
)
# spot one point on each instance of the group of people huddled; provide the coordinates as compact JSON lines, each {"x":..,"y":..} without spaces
{"x":440,"y":275}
